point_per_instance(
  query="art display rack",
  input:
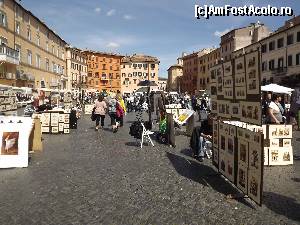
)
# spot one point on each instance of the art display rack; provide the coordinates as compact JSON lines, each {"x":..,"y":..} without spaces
{"x":88,"y":109}
{"x":68,"y":100}
{"x":238,"y":156}
{"x":174,"y":109}
{"x":8,"y":101}
{"x":54,"y":122}
{"x":278,"y":148}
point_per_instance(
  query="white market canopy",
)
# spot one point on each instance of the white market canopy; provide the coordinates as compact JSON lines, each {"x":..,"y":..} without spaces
{"x":277,"y":89}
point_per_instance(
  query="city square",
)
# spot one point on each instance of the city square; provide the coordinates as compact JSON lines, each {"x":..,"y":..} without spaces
{"x":102,"y":178}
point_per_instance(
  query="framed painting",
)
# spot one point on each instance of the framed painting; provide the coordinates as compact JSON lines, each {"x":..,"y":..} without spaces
{"x":243,"y":152}
{"x":255,"y":186}
{"x":240,"y":93}
{"x":242,"y":178}
{"x":14,"y":145}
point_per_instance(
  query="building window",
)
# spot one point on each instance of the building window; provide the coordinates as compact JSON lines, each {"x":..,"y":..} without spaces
{"x":271,"y":64}
{"x":264,"y":48}
{"x":271,"y":45}
{"x":104,"y":66}
{"x":264,"y":66}
{"x":298,"y":36}
{"x":290,"y":60}
{"x":280,"y":63}
{"x":134,"y":74}
{"x":280,"y":43}
{"x":3,"y":20}
{"x":38,"y":40}
{"x":152,"y":66}
{"x":298,"y":59}
{"x":18,"y":48}
{"x":17,"y":27}
{"x":29,"y":57}
{"x":29,"y":34}
{"x":38,"y":61}
{"x":290,"y":39}
{"x":54,"y":67}
{"x":134,"y":66}
{"x":140,"y":74}
{"x":47,"y":65}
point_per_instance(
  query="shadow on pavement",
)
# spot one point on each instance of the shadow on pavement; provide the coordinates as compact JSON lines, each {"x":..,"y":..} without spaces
{"x":133,"y":144}
{"x":107,"y":129}
{"x":296,"y":179}
{"x":204,"y":175}
{"x":187,"y":151}
{"x":282,"y":205}
{"x":296,"y":157}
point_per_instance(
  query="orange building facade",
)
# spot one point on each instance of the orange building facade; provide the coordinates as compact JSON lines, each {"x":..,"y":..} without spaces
{"x":104,"y":71}
{"x":188,"y":81}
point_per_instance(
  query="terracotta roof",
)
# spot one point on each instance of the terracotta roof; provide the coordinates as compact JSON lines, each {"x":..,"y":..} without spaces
{"x":140,"y":58}
{"x":176,"y":65}
{"x":102,"y":53}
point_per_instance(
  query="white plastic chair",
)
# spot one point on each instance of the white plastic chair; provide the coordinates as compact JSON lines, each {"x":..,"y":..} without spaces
{"x":207,"y":149}
{"x":146,"y":133}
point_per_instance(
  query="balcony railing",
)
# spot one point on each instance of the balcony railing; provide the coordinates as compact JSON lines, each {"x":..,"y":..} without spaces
{"x":9,"y":55}
{"x":279,"y":71}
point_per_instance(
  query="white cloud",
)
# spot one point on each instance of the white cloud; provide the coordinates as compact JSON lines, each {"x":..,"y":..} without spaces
{"x":221,"y":33}
{"x":128,"y":17}
{"x":107,"y":41}
{"x":97,"y":10}
{"x":113,"y":45}
{"x":111,"y":12}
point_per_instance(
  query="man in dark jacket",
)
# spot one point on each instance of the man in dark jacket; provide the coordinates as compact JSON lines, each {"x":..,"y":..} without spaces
{"x":199,"y":135}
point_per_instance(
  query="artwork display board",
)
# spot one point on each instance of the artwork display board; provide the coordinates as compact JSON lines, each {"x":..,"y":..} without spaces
{"x":14,"y":141}
{"x":54,"y":122}
{"x":235,"y":89}
{"x":240,"y":155}
{"x":278,"y":145}
{"x":175,"y":110}
{"x":88,"y":109}
{"x":8,"y":100}
{"x":184,"y":116}
{"x":68,"y":100}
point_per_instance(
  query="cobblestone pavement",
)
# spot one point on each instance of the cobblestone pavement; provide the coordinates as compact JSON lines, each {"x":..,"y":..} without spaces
{"x":91,"y":177}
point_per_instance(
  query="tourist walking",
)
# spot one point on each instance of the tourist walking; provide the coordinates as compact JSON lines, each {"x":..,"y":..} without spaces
{"x":120,"y":110}
{"x":100,"y":110}
{"x":275,"y":110}
{"x":112,"y":112}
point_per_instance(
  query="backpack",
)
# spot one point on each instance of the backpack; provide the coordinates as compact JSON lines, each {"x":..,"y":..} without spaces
{"x":136,"y":130}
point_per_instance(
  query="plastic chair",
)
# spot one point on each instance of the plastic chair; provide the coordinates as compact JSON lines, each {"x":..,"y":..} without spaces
{"x":207,"y":149}
{"x":146,"y":133}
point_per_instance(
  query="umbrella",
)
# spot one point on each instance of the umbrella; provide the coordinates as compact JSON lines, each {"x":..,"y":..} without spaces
{"x":277,"y":89}
{"x":147,"y":83}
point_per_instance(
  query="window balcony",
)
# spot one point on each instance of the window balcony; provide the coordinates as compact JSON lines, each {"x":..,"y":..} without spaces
{"x":279,"y":71}
{"x":104,"y":78}
{"x":9,"y":55}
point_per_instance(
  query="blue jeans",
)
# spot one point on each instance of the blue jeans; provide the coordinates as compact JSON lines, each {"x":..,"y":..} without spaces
{"x":201,"y":147}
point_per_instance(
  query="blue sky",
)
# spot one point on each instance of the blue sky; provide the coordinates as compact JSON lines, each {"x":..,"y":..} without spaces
{"x":161,"y":28}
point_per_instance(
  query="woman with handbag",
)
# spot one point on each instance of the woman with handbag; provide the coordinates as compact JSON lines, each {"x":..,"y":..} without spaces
{"x":275,"y":111}
{"x":100,"y":110}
